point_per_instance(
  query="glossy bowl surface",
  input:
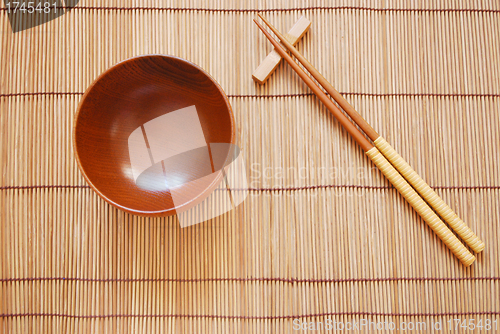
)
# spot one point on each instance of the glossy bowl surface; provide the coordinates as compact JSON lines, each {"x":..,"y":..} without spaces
{"x":128,"y":100}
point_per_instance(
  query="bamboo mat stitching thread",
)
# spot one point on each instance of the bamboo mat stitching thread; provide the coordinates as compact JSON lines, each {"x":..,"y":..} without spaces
{"x":323,"y":186}
{"x":287,"y":95}
{"x":247,"y":317}
{"x":312,"y":8}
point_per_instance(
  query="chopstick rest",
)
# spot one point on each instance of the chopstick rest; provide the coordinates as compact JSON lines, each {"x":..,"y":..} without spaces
{"x":410,"y":195}
{"x":272,"y":60}
{"x":471,"y":239}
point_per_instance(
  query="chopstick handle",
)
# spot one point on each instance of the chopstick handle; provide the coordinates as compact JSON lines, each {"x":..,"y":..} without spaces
{"x":429,"y":216}
{"x":429,"y":195}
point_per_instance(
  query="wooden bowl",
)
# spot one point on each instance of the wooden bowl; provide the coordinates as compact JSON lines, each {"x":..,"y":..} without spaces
{"x":124,"y":101}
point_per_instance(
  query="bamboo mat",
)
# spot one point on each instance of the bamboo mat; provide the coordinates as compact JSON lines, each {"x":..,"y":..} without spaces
{"x":321,"y":236}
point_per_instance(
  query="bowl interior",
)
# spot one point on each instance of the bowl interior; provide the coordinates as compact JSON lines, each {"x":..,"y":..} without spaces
{"x":132,"y":96}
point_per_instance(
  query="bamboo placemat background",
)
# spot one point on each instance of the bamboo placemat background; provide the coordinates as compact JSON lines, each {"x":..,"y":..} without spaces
{"x":325,"y":237}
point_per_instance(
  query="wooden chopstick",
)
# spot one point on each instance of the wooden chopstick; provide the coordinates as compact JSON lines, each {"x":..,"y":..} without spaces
{"x":410,"y":195}
{"x":433,"y":199}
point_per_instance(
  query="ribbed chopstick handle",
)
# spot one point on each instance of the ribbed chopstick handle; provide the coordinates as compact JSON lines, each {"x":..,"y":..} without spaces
{"x":430,"y":195}
{"x":429,"y":216}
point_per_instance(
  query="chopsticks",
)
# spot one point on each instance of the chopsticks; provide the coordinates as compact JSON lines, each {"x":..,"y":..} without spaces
{"x":397,"y":171}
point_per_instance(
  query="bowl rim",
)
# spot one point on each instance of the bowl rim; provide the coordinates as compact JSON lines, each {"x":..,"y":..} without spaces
{"x":195,"y":200}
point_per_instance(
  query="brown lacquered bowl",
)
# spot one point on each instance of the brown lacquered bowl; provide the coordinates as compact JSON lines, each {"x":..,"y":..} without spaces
{"x":138,"y":96}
